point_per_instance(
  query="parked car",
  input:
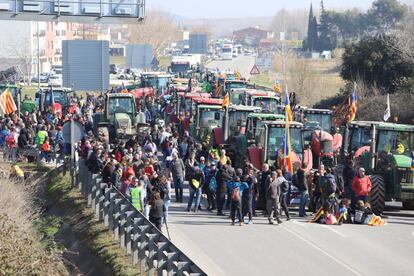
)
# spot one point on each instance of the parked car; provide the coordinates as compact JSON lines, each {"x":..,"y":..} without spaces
{"x":55,"y":80}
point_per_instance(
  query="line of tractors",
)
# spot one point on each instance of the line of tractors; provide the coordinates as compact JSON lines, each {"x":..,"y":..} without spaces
{"x":253,"y":128}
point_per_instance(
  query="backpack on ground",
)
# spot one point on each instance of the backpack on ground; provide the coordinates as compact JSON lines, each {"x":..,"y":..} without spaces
{"x":235,"y":195}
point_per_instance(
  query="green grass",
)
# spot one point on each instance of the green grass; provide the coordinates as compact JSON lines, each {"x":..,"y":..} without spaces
{"x":48,"y":227}
{"x":97,"y":237}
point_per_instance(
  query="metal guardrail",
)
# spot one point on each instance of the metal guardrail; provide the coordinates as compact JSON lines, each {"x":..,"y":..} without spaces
{"x":147,"y":246}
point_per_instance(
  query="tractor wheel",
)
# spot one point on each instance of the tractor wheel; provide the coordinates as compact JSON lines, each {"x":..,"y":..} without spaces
{"x":377,"y":194}
{"x":103,"y":134}
{"x":408,"y":205}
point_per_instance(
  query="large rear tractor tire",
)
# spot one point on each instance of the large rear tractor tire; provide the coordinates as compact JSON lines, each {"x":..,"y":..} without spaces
{"x":103,"y":134}
{"x":408,"y":205}
{"x":377,"y":194}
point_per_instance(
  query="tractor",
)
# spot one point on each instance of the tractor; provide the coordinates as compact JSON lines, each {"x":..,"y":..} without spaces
{"x":207,"y":114}
{"x":120,"y":119}
{"x":157,"y":80}
{"x":319,"y":135}
{"x":385,"y":150}
{"x":266,"y":100}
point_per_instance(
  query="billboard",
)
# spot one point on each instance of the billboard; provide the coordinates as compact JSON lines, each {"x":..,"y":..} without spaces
{"x":96,"y":11}
{"x":198,"y":44}
{"x":264,"y":63}
{"x":85,"y":64}
{"x":139,"y":56}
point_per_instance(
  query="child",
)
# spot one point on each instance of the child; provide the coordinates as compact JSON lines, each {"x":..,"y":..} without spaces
{"x":46,"y":150}
{"x":343,"y":213}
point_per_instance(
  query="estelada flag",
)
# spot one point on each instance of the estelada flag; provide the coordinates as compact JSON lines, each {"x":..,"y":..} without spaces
{"x":7,"y":104}
{"x":353,"y":105}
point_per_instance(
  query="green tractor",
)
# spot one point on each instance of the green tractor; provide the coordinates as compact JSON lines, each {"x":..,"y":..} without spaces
{"x":120,"y":119}
{"x":385,"y":150}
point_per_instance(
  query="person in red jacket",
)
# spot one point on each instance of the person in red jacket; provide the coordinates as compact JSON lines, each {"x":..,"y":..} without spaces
{"x":361,"y":185}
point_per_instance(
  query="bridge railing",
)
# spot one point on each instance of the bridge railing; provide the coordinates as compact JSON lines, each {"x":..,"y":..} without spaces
{"x":149,"y":249}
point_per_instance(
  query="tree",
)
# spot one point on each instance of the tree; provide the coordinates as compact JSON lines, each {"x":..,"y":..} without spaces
{"x":158,"y":30}
{"x":326,"y":30}
{"x":379,"y":62}
{"x":312,"y":37}
{"x":384,"y":16}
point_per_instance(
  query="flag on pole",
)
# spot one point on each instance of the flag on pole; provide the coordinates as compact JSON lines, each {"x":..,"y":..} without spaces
{"x":277,"y":88}
{"x":354,"y":100}
{"x":287,"y":107}
{"x":387,"y":113}
{"x":287,"y":151}
{"x":226,"y":101}
{"x":7,"y":103}
{"x":412,"y":161}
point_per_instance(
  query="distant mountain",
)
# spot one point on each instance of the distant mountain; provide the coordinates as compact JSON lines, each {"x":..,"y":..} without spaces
{"x":220,"y":27}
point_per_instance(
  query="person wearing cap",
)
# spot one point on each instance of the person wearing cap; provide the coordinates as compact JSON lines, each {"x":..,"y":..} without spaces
{"x":361,"y":185}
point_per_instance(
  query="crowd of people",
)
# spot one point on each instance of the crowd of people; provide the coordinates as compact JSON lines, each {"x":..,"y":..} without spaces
{"x":152,"y":168}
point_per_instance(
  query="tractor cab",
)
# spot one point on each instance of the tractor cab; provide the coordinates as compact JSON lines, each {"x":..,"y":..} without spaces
{"x":61,"y":95}
{"x":156,"y":80}
{"x":267,"y":101}
{"x":120,"y":119}
{"x":208,"y":114}
{"x":270,"y":146}
{"x":235,"y":124}
{"x":385,"y":150}
{"x":255,"y":124}
{"x":323,"y":117}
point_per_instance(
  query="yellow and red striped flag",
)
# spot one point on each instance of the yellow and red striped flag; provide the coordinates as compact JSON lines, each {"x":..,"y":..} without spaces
{"x":226,"y":101}
{"x":7,"y":104}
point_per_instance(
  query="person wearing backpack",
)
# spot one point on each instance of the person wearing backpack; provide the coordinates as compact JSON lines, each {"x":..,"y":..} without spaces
{"x":329,"y":188}
{"x":236,"y":189}
{"x":211,"y":188}
{"x":284,"y":189}
{"x":272,"y":198}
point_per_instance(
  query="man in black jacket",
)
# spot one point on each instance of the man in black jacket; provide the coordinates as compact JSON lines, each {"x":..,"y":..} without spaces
{"x":23,"y":139}
{"x":223,"y":176}
{"x":263,"y":178}
{"x":348,"y":174}
{"x":303,"y":189}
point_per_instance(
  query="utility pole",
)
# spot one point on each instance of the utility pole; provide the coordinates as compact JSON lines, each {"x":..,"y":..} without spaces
{"x":38,"y":56}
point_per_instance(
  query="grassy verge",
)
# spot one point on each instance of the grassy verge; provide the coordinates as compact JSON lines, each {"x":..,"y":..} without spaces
{"x":97,"y":238}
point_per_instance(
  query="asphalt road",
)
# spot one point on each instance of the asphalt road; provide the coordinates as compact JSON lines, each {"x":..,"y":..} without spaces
{"x":243,"y":64}
{"x":295,"y":247}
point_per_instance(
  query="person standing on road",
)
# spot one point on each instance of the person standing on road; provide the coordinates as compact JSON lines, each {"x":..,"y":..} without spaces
{"x":157,"y":210}
{"x":361,"y":185}
{"x":303,"y":189}
{"x":329,"y":188}
{"x":178,"y":174}
{"x":236,"y":189}
{"x":348,"y":175}
{"x":283,"y":190}
{"x":223,"y":176}
{"x":264,"y":177}
{"x":247,"y":199}
{"x":272,"y":197}
{"x":196,"y":183}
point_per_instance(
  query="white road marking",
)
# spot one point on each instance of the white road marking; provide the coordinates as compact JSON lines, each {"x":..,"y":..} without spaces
{"x":355,"y":272}
{"x":331,"y":228}
{"x":301,"y":224}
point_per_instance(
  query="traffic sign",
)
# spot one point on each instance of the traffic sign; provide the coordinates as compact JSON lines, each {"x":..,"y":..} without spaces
{"x":77,"y":130}
{"x":255,"y":70}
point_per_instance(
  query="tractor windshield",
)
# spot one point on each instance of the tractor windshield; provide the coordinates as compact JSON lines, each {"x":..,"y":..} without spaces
{"x":324,"y":120}
{"x":237,"y":97}
{"x":395,"y":142}
{"x":237,"y":120}
{"x":276,"y":141}
{"x":267,"y":104}
{"x":121,"y":105}
{"x":360,"y":137}
{"x":210,"y":117}
{"x":235,"y":85}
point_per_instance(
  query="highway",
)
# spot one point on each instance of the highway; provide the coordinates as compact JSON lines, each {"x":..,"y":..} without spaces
{"x":295,"y":247}
{"x":242,"y":63}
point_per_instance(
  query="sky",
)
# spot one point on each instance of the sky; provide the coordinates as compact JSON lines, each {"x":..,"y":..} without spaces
{"x":244,"y":8}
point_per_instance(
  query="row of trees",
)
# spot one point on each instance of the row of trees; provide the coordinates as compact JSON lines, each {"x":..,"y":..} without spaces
{"x":340,"y":28}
